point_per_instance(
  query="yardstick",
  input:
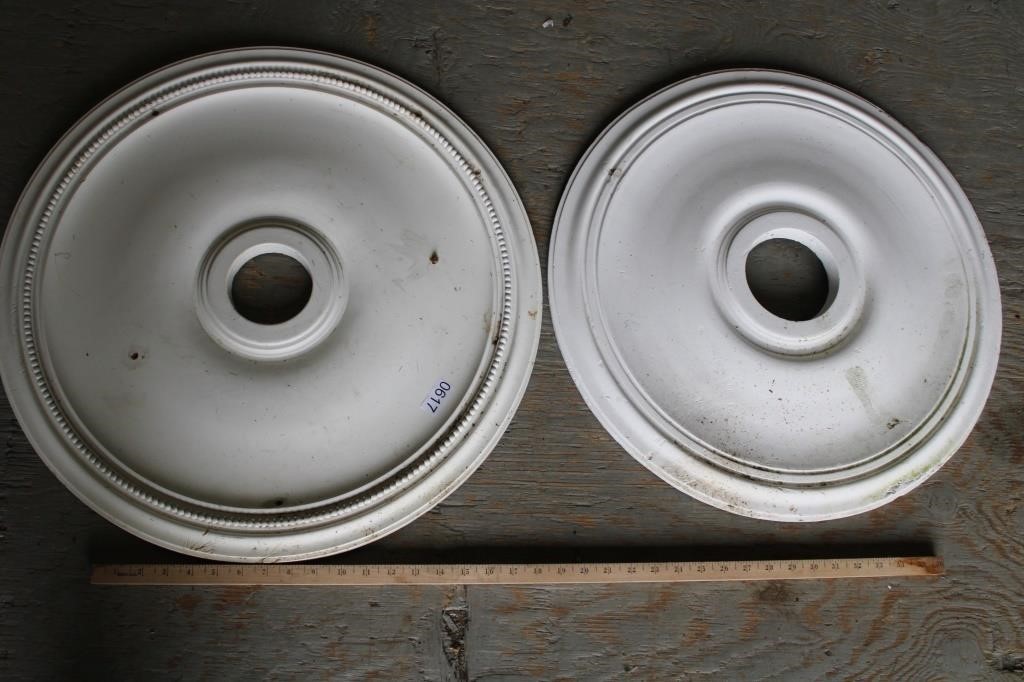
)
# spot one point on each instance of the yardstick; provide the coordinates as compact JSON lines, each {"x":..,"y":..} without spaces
{"x":512,"y":574}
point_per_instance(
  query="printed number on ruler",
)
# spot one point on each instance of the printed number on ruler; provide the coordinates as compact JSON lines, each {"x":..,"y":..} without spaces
{"x":432,"y":403}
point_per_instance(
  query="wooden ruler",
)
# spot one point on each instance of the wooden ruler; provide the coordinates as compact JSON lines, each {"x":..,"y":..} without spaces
{"x":512,"y":574}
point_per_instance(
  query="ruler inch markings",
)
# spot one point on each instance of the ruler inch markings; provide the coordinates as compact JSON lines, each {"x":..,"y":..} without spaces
{"x":514,"y":573}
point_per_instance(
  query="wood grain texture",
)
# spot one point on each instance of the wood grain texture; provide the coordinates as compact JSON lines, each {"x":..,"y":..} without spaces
{"x":558,"y":487}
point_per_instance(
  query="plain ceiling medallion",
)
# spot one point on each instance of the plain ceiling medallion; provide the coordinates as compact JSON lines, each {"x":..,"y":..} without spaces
{"x":148,"y":389}
{"x":826,"y":405}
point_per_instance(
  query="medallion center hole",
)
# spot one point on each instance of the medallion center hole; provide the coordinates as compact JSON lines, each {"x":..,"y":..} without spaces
{"x":788,"y":279}
{"x":271,"y":288}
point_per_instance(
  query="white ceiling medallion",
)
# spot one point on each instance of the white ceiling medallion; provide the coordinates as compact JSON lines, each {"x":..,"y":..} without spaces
{"x":154,"y":396}
{"x":801,"y":410}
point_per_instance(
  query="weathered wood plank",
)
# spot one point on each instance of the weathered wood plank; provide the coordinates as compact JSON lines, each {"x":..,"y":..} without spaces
{"x":558,"y":485}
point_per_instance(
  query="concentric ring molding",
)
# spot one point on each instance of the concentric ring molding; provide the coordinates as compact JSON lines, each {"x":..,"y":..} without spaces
{"x":356,"y":515}
{"x":760,"y":416}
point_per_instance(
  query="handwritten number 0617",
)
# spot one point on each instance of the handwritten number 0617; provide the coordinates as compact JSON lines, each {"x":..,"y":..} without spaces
{"x":440,"y":392}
